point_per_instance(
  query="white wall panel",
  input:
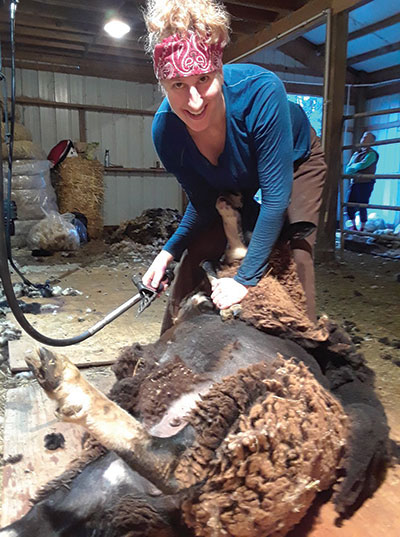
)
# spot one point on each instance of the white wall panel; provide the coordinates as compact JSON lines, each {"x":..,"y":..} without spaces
{"x":46,"y":86}
{"x":126,"y":197}
{"x":76,"y":89}
{"x":127,"y":137}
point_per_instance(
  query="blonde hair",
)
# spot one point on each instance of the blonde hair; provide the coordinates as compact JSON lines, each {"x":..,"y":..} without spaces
{"x":207,"y":18}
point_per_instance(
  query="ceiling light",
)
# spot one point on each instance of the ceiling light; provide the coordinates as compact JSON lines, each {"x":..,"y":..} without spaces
{"x":117,"y":28}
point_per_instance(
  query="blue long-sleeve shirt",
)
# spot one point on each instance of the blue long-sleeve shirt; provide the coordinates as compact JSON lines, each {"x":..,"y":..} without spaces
{"x":264,"y":137}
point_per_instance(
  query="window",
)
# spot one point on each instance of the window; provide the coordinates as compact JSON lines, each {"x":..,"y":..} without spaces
{"x":312,"y":106}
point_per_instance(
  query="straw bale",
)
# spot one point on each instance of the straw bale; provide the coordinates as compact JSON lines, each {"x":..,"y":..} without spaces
{"x":20,"y":132}
{"x":24,"y":149}
{"x":80,"y":188}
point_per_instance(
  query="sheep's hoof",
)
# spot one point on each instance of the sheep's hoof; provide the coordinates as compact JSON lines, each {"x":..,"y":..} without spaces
{"x":232,"y":199}
{"x":47,"y":367}
{"x":225,"y":209}
{"x":231,"y":313}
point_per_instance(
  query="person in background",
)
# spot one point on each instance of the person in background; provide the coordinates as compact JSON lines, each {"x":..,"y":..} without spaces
{"x":363,"y":161}
{"x":227,"y":128}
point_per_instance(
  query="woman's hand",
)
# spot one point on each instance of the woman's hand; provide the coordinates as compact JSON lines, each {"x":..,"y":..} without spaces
{"x":156,"y":271}
{"x":226,"y":292}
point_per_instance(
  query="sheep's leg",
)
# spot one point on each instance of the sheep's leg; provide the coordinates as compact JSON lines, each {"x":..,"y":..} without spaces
{"x":80,"y":402}
{"x":226,"y":207}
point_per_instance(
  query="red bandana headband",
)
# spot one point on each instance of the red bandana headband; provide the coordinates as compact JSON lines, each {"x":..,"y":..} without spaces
{"x":178,"y":56}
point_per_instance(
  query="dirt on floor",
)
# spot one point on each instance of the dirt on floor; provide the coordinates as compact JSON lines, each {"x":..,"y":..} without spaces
{"x":359,"y":291}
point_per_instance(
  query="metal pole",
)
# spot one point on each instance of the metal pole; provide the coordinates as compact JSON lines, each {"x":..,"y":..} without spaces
{"x":376,"y":113}
{"x":380,"y":142}
{"x":368,"y":206}
{"x":328,"y":44}
{"x":341,"y":216}
{"x":341,"y":183}
{"x":370,"y":176}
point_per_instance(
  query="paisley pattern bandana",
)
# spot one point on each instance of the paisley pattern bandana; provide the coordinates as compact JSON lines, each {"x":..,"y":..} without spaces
{"x":178,"y":56}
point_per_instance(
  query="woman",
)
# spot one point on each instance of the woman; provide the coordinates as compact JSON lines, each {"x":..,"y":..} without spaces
{"x":227,"y":129}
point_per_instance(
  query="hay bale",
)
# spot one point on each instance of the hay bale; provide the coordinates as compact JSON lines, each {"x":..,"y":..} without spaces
{"x":80,"y":188}
{"x":17,"y":112}
{"x":24,"y":149}
{"x":20,"y":132}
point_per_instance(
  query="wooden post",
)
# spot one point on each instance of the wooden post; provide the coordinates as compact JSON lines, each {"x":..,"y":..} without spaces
{"x":82,"y":125}
{"x":325,"y":248}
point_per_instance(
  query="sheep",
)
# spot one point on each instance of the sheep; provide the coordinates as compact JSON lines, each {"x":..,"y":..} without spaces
{"x":219,"y":428}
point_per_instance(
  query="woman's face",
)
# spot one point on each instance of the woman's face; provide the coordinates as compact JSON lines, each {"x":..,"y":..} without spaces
{"x":197,"y":100}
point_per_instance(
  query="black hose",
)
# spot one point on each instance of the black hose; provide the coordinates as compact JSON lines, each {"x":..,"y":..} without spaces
{"x":5,"y":245}
{"x":13,"y":302}
{"x":10,"y":141}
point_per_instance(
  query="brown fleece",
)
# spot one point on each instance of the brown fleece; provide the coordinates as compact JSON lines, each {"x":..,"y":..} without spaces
{"x":277,"y":303}
{"x":283,"y":438}
{"x":134,"y":516}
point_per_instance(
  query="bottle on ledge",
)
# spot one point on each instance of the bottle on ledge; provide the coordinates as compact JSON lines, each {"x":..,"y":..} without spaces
{"x":106,"y":158}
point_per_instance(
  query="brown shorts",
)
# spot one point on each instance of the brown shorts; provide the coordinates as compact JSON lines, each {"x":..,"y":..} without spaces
{"x":307,"y":188}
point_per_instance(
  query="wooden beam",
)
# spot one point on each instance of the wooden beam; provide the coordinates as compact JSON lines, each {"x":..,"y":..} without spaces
{"x":371,"y":28}
{"x":107,"y":53}
{"x":297,"y":21}
{"x":77,"y":12}
{"x":48,"y":22}
{"x":118,"y":170}
{"x":47,"y":44}
{"x":325,"y":248}
{"x":94,"y":5}
{"x":283,"y":7}
{"x":30,"y":101}
{"x":56,"y":34}
{"x":393,"y":47}
{"x":304,"y":89}
{"x":383,"y":75}
{"x":252,"y":14}
{"x":384,"y":126}
{"x":303,"y":51}
{"x":34,"y":7}
{"x":82,"y":125}
{"x":374,"y":113}
{"x":241,"y":28}
{"x":381,"y":91}
{"x":119,"y":70}
{"x":279,"y":68}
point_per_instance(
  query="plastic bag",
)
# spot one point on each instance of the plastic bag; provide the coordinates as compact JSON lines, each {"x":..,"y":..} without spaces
{"x":31,"y":188}
{"x":28,"y":167}
{"x":25,"y":182}
{"x":32,"y":203}
{"x":54,"y":233}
